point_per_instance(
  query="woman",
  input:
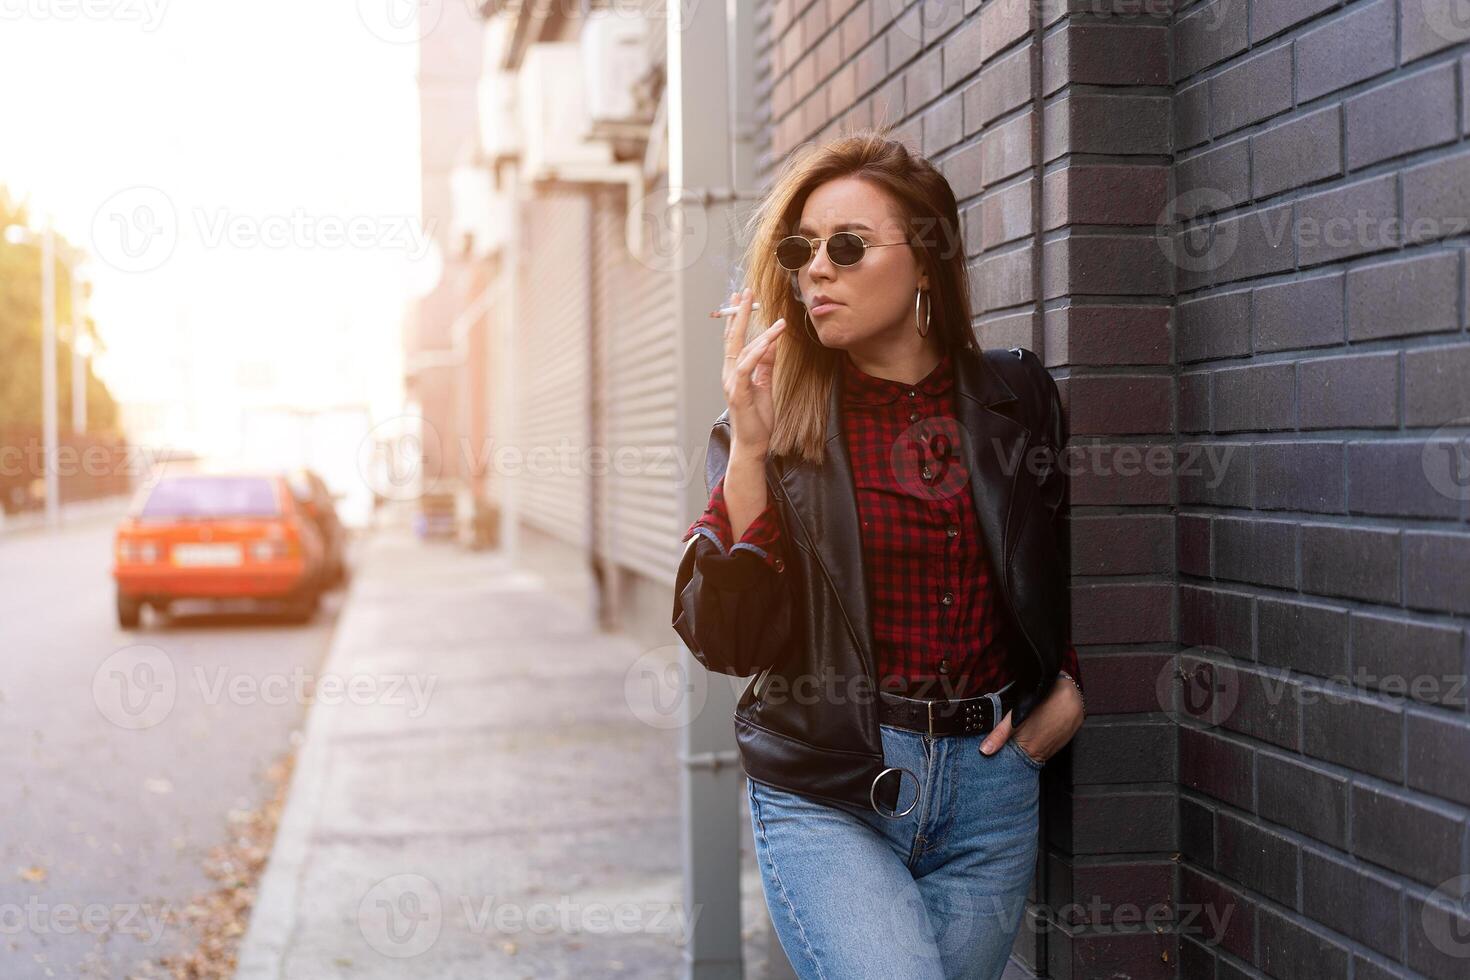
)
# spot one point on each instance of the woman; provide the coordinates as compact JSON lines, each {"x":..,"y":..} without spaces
{"x":870,"y":471}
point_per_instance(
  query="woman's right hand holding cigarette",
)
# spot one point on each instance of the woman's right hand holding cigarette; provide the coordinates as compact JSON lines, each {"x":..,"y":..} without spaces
{"x":747,"y":380}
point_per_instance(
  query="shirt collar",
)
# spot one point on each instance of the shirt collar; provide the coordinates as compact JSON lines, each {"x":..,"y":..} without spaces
{"x":859,"y":387}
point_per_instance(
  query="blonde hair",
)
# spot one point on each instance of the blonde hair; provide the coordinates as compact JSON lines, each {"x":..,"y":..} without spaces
{"x":805,"y":370}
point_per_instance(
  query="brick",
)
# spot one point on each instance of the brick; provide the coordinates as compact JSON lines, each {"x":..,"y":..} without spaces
{"x":1216,"y":766}
{"x":1356,"y":562}
{"x":962,"y":53}
{"x":1405,"y":836}
{"x":1391,"y":653}
{"x":1260,"y":397}
{"x":1107,"y":124}
{"x":1291,"y":950}
{"x":1104,"y":265}
{"x":1218,"y":619}
{"x":923,"y":81}
{"x":1362,"y":906}
{"x":1427,"y":27}
{"x":1191,"y":115}
{"x":1362,"y":734}
{"x":1001,"y":87}
{"x":1005,"y":214}
{"x":1215,"y":474}
{"x":1104,"y":195}
{"x":1101,"y":334}
{"x":1115,"y":404}
{"x":1124,"y":613}
{"x":1437,"y":198}
{"x":1347,"y":221}
{"x":1265,"y":708}
{"x":1121,"y":544}
{"x":1429,"y":954}
{"x":1005,"y":149}
{"x":1299,"y":314}
{"x":1408,"y":296}
{"x":1392,"y":479}
{"x":1105,"y":54}
{"x":1305,"y":636}
{"x":1248,"y":549}
{"x":1005,"y":279}
{"x":1251,"y":245}
{"x":1216,"y":913}
{"x":965,"y":171}
{"x":943,"y":124}
{"x":905,"y":38}
{"x":1401,"y":116}
{"x":1353,"y":391}
{"x":1122,"y":823}
{"x":1271,"y":17}
{"x":1298,"y":152}
{"x":1194,"y":405}
{"x":1196,"y":836}
{"x":1299,"y":476}
{"x":1141,"y":752}
{"x":1003,"y":23}
{"x":1207,"y":34}
{"x":1438,"y":748}
{"x":1192,"y":551}
{"x":1215,"y":326}
{"x":1437,"y":571}
{"x":1138,"y":487}
{"x":1356,"y":45}
{"x":1303,"y":797}
{"x":1255,"y":88}
{"x":1213,"y":180}
{"x":1257,"y":858}
{"x":1435,"y":391}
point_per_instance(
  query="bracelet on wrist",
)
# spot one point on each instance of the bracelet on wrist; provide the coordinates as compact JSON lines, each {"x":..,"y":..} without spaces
{"x":1069,"y":677}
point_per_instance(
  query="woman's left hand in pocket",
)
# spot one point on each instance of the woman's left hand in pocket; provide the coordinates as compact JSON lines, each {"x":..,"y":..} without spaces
{"x":1048,"y":728}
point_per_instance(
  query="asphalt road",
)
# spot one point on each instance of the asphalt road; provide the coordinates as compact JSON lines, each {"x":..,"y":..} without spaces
{"x":125,"y":752}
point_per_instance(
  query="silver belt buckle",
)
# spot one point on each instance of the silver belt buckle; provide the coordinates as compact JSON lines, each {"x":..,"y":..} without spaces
{"x":931,"y":719}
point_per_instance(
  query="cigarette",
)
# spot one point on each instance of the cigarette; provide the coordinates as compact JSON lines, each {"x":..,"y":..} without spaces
{"x":731,"y":311}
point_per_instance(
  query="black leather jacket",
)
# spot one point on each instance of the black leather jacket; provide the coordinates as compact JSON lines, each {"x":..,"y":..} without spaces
{"x":808,"y":622}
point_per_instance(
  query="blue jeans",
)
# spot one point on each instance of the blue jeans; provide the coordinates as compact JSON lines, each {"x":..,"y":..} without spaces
{"x":938,"y":893}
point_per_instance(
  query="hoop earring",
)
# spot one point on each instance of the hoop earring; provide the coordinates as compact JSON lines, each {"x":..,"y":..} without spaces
{"x":928,"y":312}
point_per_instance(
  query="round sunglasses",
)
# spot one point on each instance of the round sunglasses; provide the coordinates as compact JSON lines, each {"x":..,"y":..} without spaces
{"x":844,"y":248}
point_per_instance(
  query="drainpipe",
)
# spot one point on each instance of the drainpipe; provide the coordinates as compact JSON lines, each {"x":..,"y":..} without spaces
{"x":707,"y":174}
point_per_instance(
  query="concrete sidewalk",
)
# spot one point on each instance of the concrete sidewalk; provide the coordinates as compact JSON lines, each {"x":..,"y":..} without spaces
{"x":445,"y":821}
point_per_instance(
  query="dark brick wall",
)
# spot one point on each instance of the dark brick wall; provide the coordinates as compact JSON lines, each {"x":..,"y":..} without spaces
{"x":1236,"y":232}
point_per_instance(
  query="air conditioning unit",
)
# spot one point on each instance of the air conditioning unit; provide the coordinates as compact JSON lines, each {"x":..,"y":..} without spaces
{"x":500,"y":135}
{"x":553,"y":113}
{"x":614,"y":59}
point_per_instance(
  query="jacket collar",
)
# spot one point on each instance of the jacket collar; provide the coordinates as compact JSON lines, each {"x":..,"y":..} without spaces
{"x":824,"y":501}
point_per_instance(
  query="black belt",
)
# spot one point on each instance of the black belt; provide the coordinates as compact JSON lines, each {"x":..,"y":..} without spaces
{"x":963,"y":716}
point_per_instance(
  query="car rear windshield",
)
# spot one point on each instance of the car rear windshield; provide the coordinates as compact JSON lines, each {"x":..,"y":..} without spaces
{"x":212,"y":496}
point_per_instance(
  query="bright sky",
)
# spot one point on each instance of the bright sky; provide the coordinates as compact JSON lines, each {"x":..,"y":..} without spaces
{"x":246,"y":179}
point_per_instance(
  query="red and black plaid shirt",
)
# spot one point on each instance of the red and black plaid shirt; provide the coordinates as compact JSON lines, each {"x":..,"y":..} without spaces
{"x":940,"y":627}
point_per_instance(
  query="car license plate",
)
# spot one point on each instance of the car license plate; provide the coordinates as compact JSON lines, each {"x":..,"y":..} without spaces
{"x":227,"y":553}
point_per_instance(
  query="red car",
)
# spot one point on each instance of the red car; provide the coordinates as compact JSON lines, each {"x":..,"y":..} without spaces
{"x":218,"y":536}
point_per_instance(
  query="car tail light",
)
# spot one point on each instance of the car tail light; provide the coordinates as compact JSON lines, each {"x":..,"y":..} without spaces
{"x":280,"y":542}
{"x":138,"y":550}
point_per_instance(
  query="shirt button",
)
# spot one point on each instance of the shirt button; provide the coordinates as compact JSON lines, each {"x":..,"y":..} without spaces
{"x":913,"y":416}
{"x":952,"y":531}
{"x":944,"y":666}
{"x":913,"y":393}
{"x":947,"y":598}
{"x":780,"y":564}
{"x":927,"y":473}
